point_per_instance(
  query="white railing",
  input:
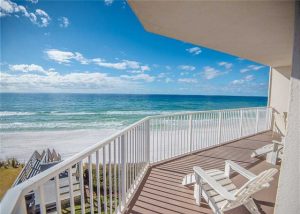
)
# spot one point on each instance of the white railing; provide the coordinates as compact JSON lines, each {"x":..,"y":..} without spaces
{"x":182,"y":133}
{"x":79,"y":184}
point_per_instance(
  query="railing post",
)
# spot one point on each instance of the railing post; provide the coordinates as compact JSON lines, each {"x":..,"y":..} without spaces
{"x":219,"y":127}
{"x":147,"y":139}
{"x":256,"y":124}
{"x":241,"y":123}
{"x":123,"y":181}
{"x":190,"y":132}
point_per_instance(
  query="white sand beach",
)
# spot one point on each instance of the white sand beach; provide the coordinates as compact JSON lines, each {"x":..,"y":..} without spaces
{"x":22,"y":144}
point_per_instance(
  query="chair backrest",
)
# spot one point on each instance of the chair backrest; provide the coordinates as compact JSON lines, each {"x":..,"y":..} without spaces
{"x":280,"y":123}
{"x":254,"y":185}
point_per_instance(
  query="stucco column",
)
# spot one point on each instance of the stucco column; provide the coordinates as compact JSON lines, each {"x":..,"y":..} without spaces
{"x":288,"y":197}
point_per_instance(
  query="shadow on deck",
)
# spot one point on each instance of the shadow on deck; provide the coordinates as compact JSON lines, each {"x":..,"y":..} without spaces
{"x":161,"y":190}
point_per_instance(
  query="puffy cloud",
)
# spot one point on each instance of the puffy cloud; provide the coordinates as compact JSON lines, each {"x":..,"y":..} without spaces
{"x":168,"y":67}
{"x":187,"y":80}
{"x":194,"y":50}
{"x":184,"y":73}
{"x":108,"y":2}
{"x":33,"y":1}
{"x":187,"y":67}
{"x":168,"y":80}
{"x":64,"y":22}
{"x":39,"y":17}
{"x":72,"y":82}
{"x":66,"y":57}
{"x":251,"y":68}
{"x":226,"y":65}
{"x":144,"y":77}
{"x":246,"y":79}
{"x":26,"y":68}
{"x":211,"y":73}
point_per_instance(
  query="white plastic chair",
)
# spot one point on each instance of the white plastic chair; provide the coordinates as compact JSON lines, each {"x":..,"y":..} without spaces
{"x":274,"y":150}
{"x":221,"y":194}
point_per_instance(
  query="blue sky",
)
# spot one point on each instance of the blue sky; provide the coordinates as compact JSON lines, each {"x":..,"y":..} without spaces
{"x":101,"y":47}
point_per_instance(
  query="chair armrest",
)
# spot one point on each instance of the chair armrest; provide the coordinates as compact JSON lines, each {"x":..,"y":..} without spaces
{"x":216,"y":186}
{"x":277,"y":142}
{"x":241,"y":170}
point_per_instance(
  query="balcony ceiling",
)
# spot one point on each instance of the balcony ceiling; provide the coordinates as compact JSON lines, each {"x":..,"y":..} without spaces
{"x":261,"y":31}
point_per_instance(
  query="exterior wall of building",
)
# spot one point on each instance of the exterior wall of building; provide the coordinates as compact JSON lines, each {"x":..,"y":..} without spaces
{"x":280,"y":88}
{"x":288,"y":193}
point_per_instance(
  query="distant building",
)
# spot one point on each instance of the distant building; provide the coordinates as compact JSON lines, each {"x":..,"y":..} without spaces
{"x":38,"y":163}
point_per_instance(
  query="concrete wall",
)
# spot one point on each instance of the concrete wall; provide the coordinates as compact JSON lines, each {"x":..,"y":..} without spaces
{"x":288,"y":193}
{"x":280,"y":88}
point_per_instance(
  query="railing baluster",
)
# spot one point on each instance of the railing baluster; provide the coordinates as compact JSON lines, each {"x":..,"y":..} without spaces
{"x":256,"y":122}
{"x":109,"y":175}
{"x":115,"y":176}
{"x":42,"y":199}
{"x":119,"y":173}
{"x":57,"y":187}
{"x":123,"y":161}
{"x":91,"y":184}
{"x":71,"y":191}
{"x":81,"y":183}
{"x":241,"y":123}
{"x":190,"y":131}
{"x":98,"y":181}
{"x":104,"y":179}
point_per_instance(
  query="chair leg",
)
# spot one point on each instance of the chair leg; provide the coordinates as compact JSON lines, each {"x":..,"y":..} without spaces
{"x":251,"y":206}
{"x":197,"y":194}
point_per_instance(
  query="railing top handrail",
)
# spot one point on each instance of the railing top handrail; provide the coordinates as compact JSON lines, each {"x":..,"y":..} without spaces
{"x":205,"y":111}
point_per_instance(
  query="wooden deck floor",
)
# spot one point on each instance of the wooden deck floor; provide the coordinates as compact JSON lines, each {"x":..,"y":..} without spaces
{"x":162,"y":192}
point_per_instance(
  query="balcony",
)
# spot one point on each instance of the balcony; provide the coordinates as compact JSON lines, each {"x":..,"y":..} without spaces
{"x":139,"y":169}
{"x":161,"y":190}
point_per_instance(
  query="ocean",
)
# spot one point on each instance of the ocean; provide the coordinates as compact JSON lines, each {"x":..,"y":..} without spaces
{"x":71,"y":122}
{"x":41,"y":112}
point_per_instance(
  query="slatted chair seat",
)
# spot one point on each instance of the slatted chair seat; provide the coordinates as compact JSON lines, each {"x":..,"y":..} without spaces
{"x":219,"y":191}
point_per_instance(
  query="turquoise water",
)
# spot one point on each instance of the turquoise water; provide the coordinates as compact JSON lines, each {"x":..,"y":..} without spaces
{"x":37,"y":112}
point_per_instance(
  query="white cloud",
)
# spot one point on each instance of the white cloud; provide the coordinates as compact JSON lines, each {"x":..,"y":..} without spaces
{"x":168,"y":80}
{"x":187,"y":67}
{"x":108,"y":2}
{"x":187,"y":80}
{"x":251,"y":68}
{"x":66,"y":57}
{"x":211,"y":73}
{"x":39,"y":17}
{"x":33,"y":1}
{"x":161,"y":75}
{"x":226,"y":65}
{"x":64,"y":22}
{"x":168,"y":67}
{"x":72,"y":82}
{"x":247,"y":78}
{"x":144,"y":77}
{"x":26,"y":68}
{"x":184,"y":73}
{"x":194,"y":50}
